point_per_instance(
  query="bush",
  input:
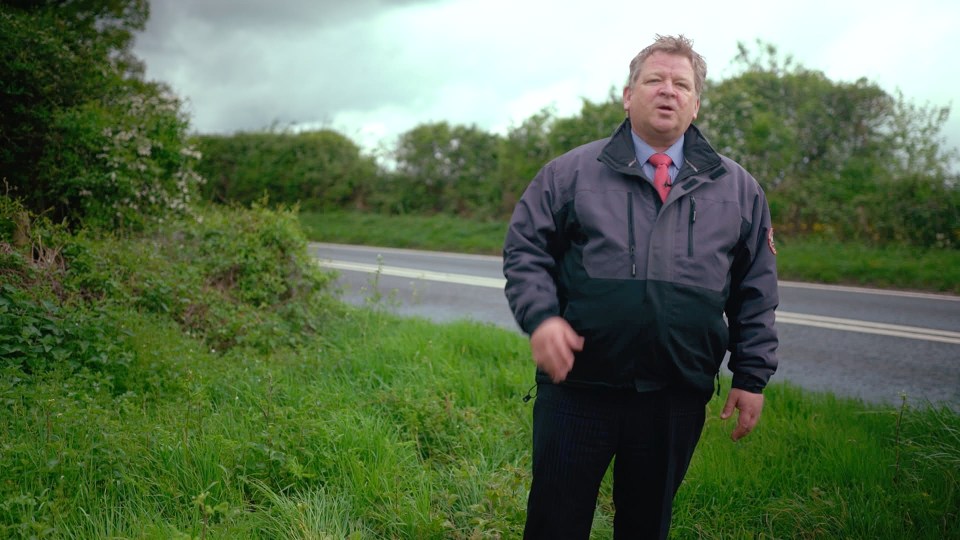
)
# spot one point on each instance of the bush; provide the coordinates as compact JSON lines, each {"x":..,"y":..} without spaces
{"x":317,"y":170}
{"x":228,"y":277}
{"x":84,"y":138}
{"x":42,"y":326}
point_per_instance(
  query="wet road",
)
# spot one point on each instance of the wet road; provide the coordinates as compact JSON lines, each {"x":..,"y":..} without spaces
{"x":870,"y":344}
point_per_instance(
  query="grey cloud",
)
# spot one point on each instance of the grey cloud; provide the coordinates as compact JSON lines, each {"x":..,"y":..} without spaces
{"x":304,"y":60}
{"x":283,"y":15}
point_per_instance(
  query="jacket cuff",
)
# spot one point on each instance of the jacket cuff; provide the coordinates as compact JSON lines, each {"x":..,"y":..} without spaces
{"x":748,"y":383}
{"x":530,"y":325}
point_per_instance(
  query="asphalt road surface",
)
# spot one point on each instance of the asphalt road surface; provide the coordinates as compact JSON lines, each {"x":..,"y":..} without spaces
{"x":874,"y":345}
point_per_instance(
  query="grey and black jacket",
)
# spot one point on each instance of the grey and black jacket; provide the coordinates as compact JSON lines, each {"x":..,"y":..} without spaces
{"x":648,"y":283}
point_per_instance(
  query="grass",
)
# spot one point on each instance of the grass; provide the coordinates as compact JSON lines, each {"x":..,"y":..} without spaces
{"x":390,"y":428}
{"x":438,"y":233}
{"x":196,"y":383}
{"x":799,"y":259}
{"x":898,"y":267}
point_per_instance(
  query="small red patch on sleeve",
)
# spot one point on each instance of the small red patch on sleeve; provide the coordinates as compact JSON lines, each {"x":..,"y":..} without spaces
{"x":770,"y":244}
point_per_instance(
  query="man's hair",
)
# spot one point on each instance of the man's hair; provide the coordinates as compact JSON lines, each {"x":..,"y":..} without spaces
{"x":678,"y":45}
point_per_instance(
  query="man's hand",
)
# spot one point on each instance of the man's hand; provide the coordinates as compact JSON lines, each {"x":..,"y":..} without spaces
{"x":749,"y":404}
{"x":553,"y":344}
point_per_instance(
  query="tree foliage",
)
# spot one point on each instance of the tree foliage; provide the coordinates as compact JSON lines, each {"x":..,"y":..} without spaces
{"x":833,"y":155}
{"x":445,"y":169}
{"x":595,"y":121}
{"x":83,"y":137}
{"x":523,"y":150}
{"x":316,"y":169}
{"x":844,"y":160}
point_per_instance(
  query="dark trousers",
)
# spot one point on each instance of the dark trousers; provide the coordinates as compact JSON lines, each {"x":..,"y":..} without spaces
{"x":577,"y":432}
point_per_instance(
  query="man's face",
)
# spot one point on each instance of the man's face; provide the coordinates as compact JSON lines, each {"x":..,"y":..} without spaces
{"x":663,"y":101}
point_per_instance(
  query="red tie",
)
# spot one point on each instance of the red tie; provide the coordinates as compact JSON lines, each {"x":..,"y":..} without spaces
{"x":661,"y":178}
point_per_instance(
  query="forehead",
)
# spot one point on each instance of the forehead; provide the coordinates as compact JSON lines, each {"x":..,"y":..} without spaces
{"x":659,"y":61}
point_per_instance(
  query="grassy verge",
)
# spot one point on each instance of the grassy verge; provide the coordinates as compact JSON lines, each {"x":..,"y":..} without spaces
{"x":404,"y":429}
{"x":197,"y":382}
{"x":437,"y":233}
{"x":798,"y":259}
{"x":897,"y":267}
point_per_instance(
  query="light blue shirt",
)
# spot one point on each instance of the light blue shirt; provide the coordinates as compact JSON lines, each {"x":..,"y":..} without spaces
{"x":644,"y":151}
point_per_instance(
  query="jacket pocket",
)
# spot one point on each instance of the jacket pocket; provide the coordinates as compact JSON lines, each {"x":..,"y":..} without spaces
{"x":706,"y":234}
{"x":609,"y":247}
{"x":693,"y":219}
{"x":631,"y":240}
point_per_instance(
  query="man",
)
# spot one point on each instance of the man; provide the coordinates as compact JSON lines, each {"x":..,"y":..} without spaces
{"x":621,"y":271}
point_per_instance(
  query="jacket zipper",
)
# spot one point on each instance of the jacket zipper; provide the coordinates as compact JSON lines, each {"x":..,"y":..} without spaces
{"x":693,"y":219}
{"x":630,"y":238}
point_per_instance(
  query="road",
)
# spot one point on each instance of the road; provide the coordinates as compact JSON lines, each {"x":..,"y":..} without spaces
{"x":874,"y":345}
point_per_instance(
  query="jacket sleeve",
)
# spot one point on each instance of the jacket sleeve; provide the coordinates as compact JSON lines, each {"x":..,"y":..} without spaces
{"x":530,"y":254}
{"x":753,"y":300}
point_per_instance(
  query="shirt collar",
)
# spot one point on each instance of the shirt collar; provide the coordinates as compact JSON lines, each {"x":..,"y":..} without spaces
{"x":644,"y":150}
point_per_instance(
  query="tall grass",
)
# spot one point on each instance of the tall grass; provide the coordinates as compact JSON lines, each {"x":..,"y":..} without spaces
{"x":196,"y":382}
{"x":801,"y":259}
{"x":390,"y":428}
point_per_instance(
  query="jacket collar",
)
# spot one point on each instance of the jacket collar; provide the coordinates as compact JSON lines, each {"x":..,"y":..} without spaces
{"x":619,"y":154}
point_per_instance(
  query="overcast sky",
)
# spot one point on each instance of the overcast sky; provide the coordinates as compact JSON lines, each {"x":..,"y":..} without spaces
{"x":373,"y":69}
